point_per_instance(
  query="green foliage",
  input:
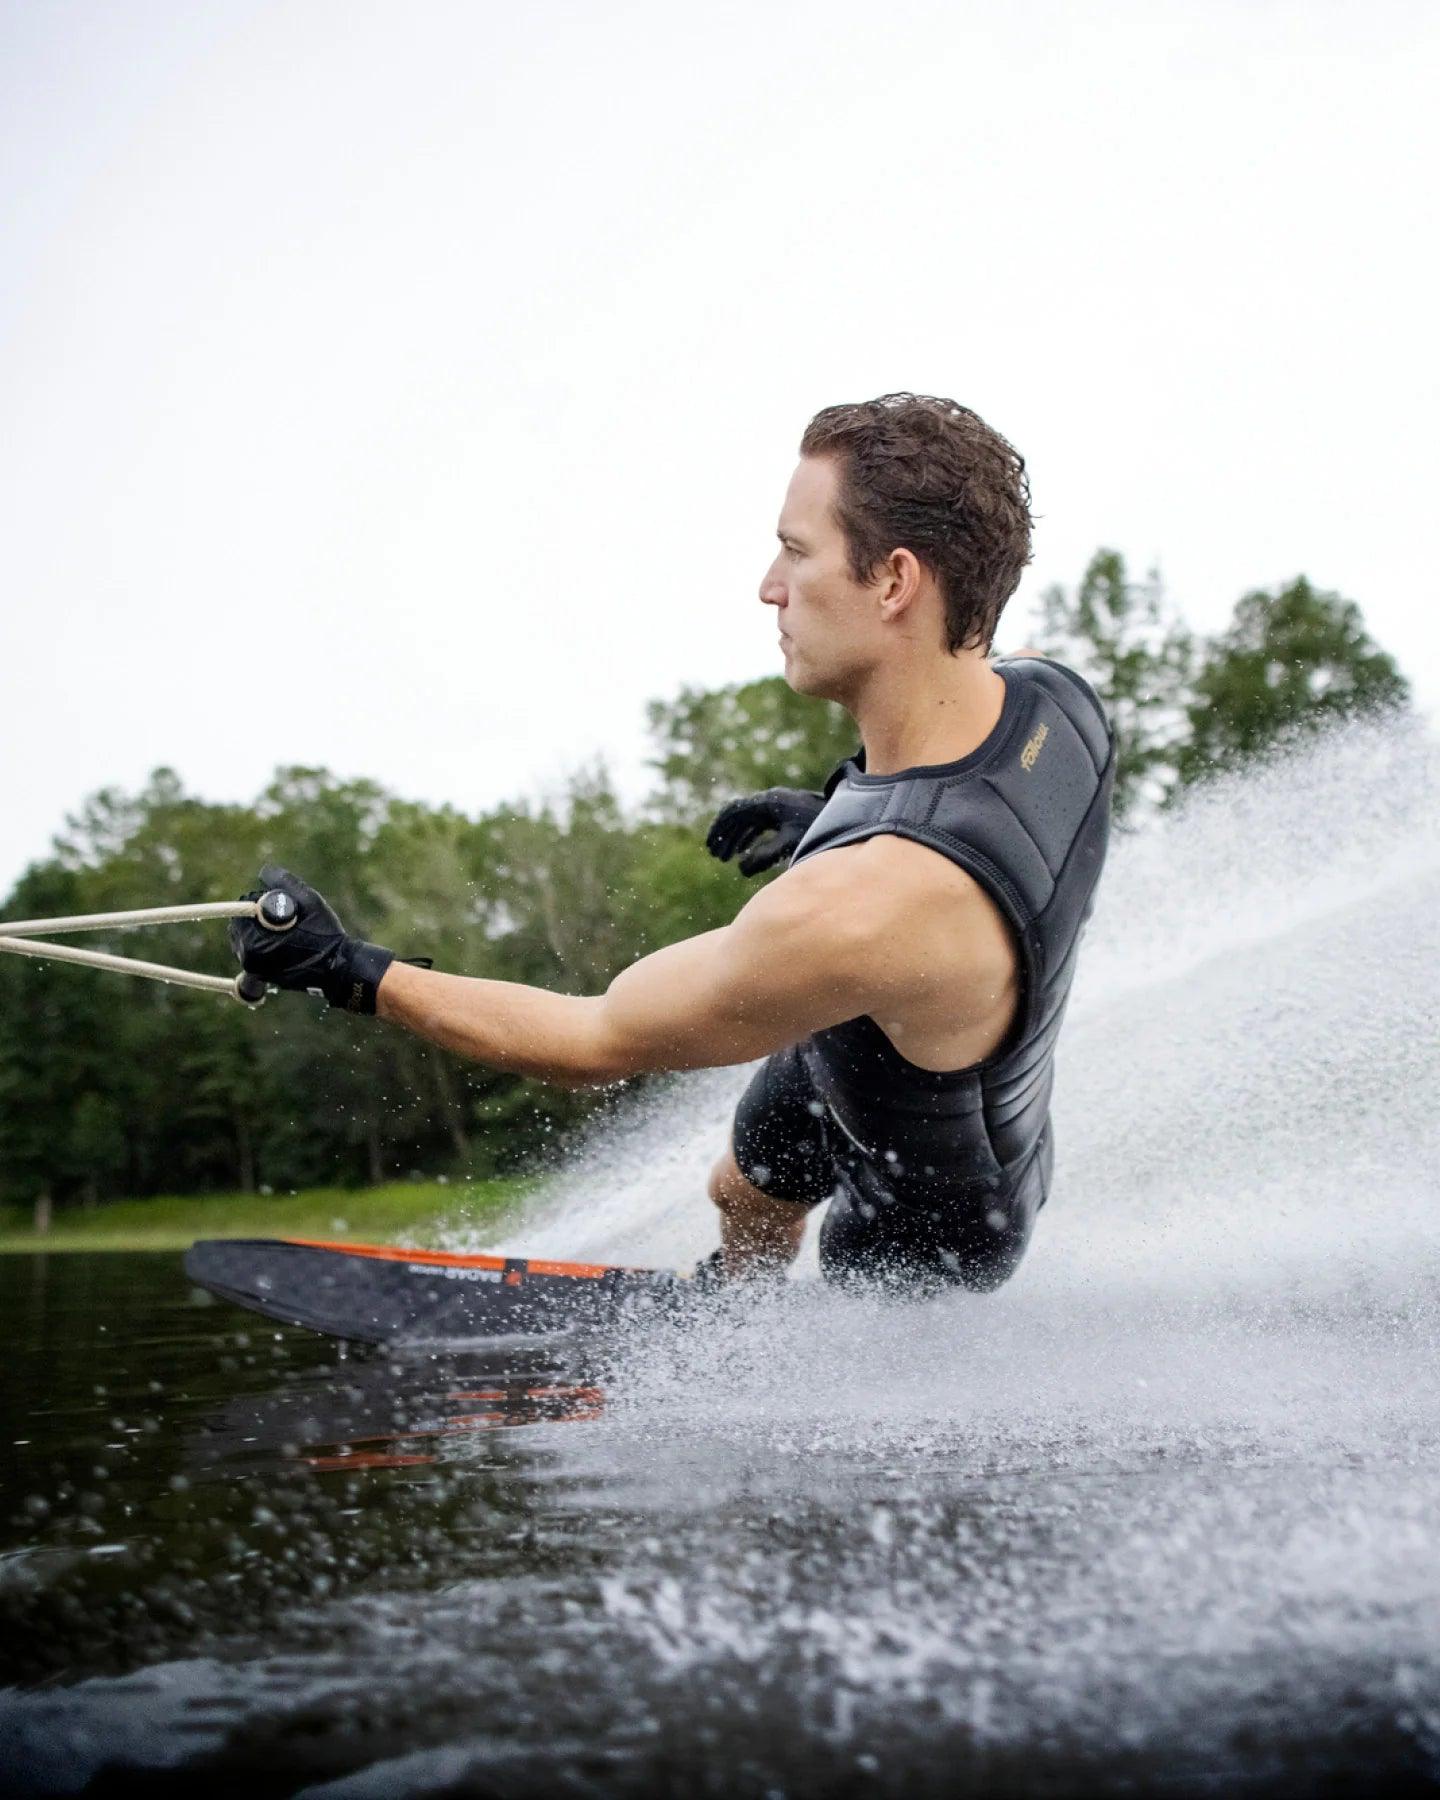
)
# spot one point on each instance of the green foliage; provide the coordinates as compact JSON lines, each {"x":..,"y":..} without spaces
{"x":1291,"y":660}
{"x":686,"y":891}
{"x":717,"y":743}
{"x":1127,"y":642}
{"x":95,"y":1149}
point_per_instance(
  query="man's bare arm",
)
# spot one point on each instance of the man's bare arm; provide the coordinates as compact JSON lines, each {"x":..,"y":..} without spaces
{"x":798,"y":957}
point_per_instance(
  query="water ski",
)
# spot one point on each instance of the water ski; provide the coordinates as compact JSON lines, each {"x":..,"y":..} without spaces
{"x":377,"y":1294}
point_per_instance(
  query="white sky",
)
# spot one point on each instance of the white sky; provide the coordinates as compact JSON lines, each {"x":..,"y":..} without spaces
{"x":412,"y":388}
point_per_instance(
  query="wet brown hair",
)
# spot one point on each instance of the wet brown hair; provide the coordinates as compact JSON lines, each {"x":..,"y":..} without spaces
{"x":930,"y":476}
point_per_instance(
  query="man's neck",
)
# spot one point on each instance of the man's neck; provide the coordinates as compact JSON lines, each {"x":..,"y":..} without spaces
{"x":936,"y":713}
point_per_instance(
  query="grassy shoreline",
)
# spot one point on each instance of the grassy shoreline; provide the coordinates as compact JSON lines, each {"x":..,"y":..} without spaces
{"x":408,"y":1211}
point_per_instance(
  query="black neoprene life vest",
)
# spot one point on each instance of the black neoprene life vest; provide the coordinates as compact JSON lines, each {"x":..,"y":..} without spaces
{"x":1027,"y":816}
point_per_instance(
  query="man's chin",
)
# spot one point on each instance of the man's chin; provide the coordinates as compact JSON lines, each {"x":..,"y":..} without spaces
{"x":801,"y":680}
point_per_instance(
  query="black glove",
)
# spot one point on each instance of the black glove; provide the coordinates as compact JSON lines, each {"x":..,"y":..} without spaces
{"x":766,"y":828}
{"x":314,"y":955}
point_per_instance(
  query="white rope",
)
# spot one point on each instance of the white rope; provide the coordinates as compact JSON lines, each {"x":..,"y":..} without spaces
{"x":122,"y":965}
{"x":18,"y":939}
{"x":123,"y":921}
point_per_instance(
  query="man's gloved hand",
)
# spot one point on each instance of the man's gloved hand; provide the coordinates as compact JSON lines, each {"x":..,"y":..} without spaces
{"x":315,"y":955}
{"x":765,"y":828}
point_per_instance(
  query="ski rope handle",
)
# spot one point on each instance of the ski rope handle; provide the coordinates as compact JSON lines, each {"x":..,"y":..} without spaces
{"x":275,"y":910}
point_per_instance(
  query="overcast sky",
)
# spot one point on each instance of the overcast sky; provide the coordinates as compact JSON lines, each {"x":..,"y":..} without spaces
{"x":412,"y":388}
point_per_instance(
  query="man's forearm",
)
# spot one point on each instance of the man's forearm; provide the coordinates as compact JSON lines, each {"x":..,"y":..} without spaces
{"x":523,"y":1030}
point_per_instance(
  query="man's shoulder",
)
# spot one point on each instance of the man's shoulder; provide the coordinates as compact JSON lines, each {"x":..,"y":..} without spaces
{"x":883,"y":885}
{"x":896,"y":916}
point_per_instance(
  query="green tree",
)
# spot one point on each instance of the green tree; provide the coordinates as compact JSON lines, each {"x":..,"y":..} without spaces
{"x":1291,"y":660}
{"x":562,"y":902}
{"x":716,"y":743}
{"x":47,"y":1042}
{"x":1128,"y":643}
{"x":685,"y":889}
{"x":95,"y":1151}
{"x":209,"y":1095}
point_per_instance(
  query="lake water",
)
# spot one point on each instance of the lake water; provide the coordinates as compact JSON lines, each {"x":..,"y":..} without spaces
{"x":1160,"y":1515}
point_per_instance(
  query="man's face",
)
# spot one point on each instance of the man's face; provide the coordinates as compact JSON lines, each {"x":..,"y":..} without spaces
{"x":829,"y":626}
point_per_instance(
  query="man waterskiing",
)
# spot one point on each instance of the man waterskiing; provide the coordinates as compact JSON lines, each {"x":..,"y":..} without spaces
{"x":905,"y":978}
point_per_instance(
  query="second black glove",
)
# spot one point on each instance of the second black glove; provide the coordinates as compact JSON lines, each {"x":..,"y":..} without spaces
{"x":764,"y":829}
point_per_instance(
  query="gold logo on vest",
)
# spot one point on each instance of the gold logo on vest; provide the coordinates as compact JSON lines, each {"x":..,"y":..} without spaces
{"x":1030,"y":755}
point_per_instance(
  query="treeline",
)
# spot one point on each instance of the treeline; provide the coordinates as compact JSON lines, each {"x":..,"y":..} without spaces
{"x":1186,"y":708}
{"x":110,"y":1086}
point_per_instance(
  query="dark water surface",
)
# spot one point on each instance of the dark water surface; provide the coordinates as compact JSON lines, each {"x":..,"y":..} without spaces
{"x":1000,"y":1553}
{"x":179,"y":1479}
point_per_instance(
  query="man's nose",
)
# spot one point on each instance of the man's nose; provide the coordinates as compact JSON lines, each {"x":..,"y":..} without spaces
{"x":772,"y":589}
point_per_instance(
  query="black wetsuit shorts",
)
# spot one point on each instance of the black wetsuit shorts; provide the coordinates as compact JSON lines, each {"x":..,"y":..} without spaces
{"x":790,"y":1147}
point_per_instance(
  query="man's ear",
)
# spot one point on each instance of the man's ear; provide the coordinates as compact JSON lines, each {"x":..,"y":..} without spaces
{"x":900,"y":584}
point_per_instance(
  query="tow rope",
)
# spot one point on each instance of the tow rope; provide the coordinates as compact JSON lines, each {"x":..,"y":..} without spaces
{"x":275,"y":910}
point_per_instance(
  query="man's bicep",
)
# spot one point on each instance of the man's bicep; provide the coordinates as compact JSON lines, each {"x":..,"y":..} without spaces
{"x":789,"y":964}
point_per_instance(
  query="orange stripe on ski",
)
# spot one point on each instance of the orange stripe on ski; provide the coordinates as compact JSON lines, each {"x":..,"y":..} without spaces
{"x":456,"y":1260}
{"x":397,"y":1253}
